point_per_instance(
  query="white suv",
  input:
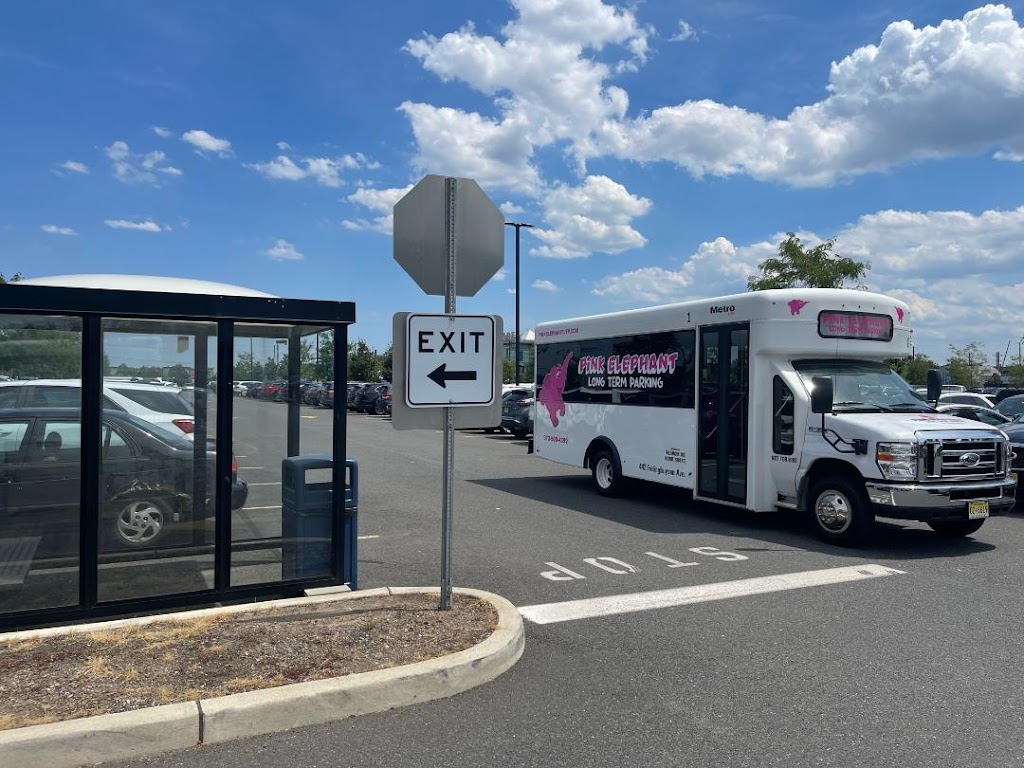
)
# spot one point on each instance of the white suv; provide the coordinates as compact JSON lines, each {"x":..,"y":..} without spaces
{"x":161,"y":405}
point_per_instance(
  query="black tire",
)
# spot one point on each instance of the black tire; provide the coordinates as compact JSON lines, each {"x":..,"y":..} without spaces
{"x":840,"y":511}
{"x":606,"y":472}
{"x":378,"y":408}
{"x":956,"y":527}
{"x":139,"y":523}
{"x":519,"y":433}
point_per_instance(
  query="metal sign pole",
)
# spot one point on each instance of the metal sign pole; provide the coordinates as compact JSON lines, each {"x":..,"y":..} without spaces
{"x":449,"y":412}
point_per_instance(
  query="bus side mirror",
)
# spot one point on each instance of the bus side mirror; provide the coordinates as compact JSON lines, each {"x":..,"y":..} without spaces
{"x":821,"y":394}
{"x":934,"y":385}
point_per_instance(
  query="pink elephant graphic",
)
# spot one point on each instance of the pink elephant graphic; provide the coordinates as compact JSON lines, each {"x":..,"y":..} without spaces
{"x":796,"y":305}
{"x":899,"y":314}
{"x":551,"y":390}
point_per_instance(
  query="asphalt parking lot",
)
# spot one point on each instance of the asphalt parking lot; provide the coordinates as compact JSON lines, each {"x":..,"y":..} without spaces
{"x":773,"y":649}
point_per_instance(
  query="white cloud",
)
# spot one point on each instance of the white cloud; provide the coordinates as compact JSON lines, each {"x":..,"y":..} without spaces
{"x":282,"y":250}
{"x":944,"y":264}
{"x":595,"y":216}
{"x":284,"y":146}
{"x":75,"y":167}
{"x":379,"y":201}
{"x":163,"y":133}
{"x":326,"y":171}
{"x":511,"y":209}
{"x":206,"y":142}
{"x":919,"y":93}
{"x":501,"y":274}
{"x":718,"y":267}
{"x":545,"y":285}
{"x":944,"y":91}
{"x":140,"y":226}
{"x":132,"y":168}
{"x":683,"y":33}
{"x":53,"y":229}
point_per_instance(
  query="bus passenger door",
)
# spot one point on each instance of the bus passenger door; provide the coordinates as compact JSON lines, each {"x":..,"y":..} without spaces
{"x":723,"y":412}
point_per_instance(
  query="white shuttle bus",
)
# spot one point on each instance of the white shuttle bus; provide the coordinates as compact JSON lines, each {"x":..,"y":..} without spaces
{"x":767,"y":400}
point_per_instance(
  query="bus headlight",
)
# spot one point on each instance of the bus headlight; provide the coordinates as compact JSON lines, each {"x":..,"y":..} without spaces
{"x":897,"y":461}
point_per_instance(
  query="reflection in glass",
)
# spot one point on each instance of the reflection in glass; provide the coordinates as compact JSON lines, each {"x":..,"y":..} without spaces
{"x":40,"y":464}
{"x":158,"y":464}
{"x":273,"y":420}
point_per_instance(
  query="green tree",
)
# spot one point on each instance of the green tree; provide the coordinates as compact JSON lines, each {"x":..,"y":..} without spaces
{"x":963,"y":362}
{"x":14,"y":278}
{"x":363,"y":364}
{"x":508,"y":371}
{"x":914,"y":370}
{"x":385,"y":362}
{"x":797,"y":266}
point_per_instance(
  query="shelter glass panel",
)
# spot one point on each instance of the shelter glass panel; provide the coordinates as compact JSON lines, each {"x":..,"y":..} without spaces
{"x":40,"y":462}
{"x":284,"y":398}
{"x":157,"y":483}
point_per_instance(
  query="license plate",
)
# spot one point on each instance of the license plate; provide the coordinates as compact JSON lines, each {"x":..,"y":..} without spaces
{"x":977,"y":510}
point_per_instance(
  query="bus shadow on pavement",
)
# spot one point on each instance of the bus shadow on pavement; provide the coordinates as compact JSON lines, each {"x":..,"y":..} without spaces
{"x":663,"y":509}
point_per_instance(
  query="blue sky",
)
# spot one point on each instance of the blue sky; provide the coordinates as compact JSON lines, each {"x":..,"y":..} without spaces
{"x":661,"y":149}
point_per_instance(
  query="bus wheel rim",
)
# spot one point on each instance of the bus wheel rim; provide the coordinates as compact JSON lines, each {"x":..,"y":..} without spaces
{"x":833,"y":511}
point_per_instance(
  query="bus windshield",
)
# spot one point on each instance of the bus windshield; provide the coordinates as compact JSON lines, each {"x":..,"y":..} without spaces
{"x":863,"y":385}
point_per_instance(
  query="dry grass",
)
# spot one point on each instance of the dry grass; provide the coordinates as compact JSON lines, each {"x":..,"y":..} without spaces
{"x":81,"y":674}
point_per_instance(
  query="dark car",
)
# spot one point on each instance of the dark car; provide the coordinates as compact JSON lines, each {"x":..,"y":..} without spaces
{"x":1015,"y":431}
{"x":1004,"y":393}
{"x":313,"y":392}
{"x":1011,"y":406}
{"x":517,"y":411}
{"x":327,"y":395}
{"x":146,"y":479}
{"x":382,"y":405}
{"x":366,"y":397}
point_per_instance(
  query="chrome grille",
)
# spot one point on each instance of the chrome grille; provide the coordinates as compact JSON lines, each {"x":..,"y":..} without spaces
{"x":964,"y":458}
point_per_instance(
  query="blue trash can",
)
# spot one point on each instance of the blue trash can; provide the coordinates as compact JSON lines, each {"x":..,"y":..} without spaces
{"x":306,"y":525}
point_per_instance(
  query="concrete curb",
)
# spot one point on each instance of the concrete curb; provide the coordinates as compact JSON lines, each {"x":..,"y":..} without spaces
{"x":125,"y":735}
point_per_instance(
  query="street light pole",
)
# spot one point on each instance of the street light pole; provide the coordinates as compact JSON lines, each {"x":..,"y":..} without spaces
{"x":518,"y":225}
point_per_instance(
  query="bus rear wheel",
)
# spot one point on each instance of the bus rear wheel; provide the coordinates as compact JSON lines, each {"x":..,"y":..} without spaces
{"x":841,"y":511}
{"x":607,"y":472}
{"x":956,"y":527}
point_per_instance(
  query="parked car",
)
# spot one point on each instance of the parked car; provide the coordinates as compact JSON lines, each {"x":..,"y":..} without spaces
{"x":1015,"y":431}
{"x":147,"y":477}
{"x":974,"y":412}
{"x":1011,"y":406}
{"x":273,"y":390}
{"x":366,"y":398}
{"x":353,"y":395}
{"x":327,"y":395}
{"x":156,"y":403}
{"x":966,"y":398}
{"x":312,"y":393}
{"x":1004,"y":393}
{"x":382,"y":404}
{"x":255,"y":389}
{"x":517,"y":411}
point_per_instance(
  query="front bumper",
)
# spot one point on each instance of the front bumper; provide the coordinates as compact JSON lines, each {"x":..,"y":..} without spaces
{"x":927,"y":502}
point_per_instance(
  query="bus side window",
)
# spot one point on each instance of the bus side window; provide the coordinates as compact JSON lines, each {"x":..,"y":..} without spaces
{"x":782,"y":418}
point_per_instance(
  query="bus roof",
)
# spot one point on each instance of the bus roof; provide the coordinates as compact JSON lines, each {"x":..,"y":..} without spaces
{"x":781,"y":304}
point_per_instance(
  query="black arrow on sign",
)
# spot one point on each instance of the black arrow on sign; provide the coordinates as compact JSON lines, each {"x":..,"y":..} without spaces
{"x":440,"y":376}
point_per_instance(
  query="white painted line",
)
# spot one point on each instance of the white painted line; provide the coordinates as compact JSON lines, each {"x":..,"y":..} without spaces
{"x":277,"y":482}
{"x":252,"y":467}
{"x":368,"y":536}
{"x":550,"y":613}
{"x":249,"y":509}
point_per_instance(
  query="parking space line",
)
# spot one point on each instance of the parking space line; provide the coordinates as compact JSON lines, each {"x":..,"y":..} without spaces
{"x":276,"y":482}
{"x":571,"y":610}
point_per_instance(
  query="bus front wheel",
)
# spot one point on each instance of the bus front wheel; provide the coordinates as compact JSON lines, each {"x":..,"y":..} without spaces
{"x":607,"y":472}
{"x":841,"y":511}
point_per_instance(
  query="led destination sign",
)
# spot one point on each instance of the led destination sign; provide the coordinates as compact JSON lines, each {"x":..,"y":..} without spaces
{"x":854,"y":325}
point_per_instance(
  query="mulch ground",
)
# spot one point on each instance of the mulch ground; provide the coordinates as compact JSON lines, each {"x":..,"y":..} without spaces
{"x":81,"y":674}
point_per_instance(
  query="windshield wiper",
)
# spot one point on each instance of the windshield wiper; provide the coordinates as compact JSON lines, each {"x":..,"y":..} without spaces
{"x":858,"y":404}
{"x":922,"y":407}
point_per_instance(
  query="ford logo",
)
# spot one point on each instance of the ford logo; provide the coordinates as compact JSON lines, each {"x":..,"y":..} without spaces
{"x":970,"y":459}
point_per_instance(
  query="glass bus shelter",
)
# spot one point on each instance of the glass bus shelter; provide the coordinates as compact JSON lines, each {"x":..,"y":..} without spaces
{"x":142,"y":435}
